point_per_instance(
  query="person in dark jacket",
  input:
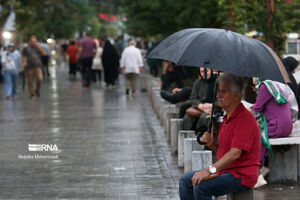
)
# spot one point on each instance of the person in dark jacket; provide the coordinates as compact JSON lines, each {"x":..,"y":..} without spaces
{"x":172,"y":73}
{"x":110,"y":61}
{"x":290,"y":64}
{"x":201,"y":98}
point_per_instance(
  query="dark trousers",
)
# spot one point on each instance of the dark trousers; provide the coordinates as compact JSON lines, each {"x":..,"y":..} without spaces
{"x":86,"y":64}
{"x":97,"y":73}
{"x":154,"y":71}
{"x":72,"y":68}
{"x":224,"y":184}
{"x":45,"y":61}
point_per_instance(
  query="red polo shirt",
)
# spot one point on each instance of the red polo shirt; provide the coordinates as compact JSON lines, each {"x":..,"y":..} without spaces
{"x":241,"y":131}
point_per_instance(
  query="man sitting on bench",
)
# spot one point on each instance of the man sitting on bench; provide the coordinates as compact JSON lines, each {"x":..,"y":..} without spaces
{"x":238,"y":151}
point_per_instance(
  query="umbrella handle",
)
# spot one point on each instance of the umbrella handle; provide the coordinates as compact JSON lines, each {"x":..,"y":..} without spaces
{"x":213,"y":105}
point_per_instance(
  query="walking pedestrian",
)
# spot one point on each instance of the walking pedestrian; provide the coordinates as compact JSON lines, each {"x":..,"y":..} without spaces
{"x":87,"y":50}
{"x":73,"y":58}
{"x":46,"y":58}
{"x":97,"y":63}
{"x":110,"y":61}
{"x":11,"y":62}
{"x":32,"y":61}
{"x":131,"y":65}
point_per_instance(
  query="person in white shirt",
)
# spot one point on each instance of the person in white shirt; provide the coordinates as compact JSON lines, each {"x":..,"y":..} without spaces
{"x":131,"y":66}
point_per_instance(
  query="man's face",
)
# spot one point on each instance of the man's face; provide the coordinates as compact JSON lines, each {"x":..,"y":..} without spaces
{"x":11,"y":48}
{"x":202,"y":73}
{"x":226,"y":97}
{"x":33,"y":40}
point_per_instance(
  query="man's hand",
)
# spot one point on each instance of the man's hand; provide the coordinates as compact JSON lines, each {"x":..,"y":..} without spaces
{"x":207,"y":138}
{"x":141,"y":69}
{"x":205,"y":107}
{"x":199,"y":176}
{"x":175,"y":90}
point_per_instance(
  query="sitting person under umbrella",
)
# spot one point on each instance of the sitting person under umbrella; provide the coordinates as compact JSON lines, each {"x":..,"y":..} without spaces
{"x":201,"y":101}
{"x":238,"y":150}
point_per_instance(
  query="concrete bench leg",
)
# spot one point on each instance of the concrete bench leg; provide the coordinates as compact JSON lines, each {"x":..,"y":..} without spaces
{"x":156,"y":98}
{"x":201,"y":159}
{"x":168,"y":108}
{"x":283,"y":166}
{"x":190,"y":145}
{"x":188,"y":142}
{"x":244,"y":195}
{"x":168,"y":124}
{"x":175,"y":126}
{"x":181,"y":136}
{"x":161,"y":105}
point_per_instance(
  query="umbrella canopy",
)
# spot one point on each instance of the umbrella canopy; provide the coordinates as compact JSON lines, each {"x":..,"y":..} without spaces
{"x":222,"y":50}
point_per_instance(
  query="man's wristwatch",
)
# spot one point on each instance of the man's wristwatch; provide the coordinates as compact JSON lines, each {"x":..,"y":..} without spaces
{"x":212,"y":169}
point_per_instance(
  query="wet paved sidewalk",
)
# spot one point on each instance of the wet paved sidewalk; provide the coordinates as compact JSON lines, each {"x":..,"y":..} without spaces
{"x":109,"y":147}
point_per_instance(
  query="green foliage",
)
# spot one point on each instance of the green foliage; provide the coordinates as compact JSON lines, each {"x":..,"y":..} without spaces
{"x":160,"y":18}
{"x":163,"y":17}
{"x":61,"y":19}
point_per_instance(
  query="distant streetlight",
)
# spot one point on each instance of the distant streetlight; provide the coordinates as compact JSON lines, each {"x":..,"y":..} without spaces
{"x":49,"y":40}
{"x":7,"y":35}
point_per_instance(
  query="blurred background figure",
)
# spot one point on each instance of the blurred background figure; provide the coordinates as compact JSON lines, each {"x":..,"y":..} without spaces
{"x":97,"y":63}
{"x":172,"y":73}
{"x":32,"y":61}
{"x":131,"y":66}
{"x":87,"y":50}
{"x":153,"y":63}
{"x":110,"y":61}
{"x":64,"y":47}
{"x":291,"y":64}
{"x":46,"y":58}
{"x":72,"y":51}
{"x":11,"y":62}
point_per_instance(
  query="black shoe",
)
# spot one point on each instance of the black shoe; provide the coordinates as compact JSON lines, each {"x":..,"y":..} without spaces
{"x":168,"y":96}
{"x":37,"y":93}
{"x":31,"y":96}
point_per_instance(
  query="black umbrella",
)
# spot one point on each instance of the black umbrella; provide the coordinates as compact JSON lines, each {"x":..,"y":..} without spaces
{"x":222,"y":50}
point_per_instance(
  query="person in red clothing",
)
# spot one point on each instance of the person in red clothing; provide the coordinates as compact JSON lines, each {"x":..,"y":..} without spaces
{"x":238,"y":150}
{"x":72,"y":51}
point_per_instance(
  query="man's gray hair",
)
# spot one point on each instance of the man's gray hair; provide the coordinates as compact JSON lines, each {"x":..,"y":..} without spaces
{"x":237,"y":83}
{"x":132,"y":42}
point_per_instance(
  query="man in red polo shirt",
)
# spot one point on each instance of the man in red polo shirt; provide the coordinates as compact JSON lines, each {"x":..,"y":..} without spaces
{"x":238,"y":151}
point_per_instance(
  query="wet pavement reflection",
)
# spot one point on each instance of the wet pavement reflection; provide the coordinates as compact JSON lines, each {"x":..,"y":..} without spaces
{"x":109,"y":146}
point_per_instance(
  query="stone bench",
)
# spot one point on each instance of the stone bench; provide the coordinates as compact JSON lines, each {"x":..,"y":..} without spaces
{"x":175,"y":126}
{"x":170,"y":111}
{"x":283,"y":164}
{"x":181,"y":136}
{"x":190,"y":145}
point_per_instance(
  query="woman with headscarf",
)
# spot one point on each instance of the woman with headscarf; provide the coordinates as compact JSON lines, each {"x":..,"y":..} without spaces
{"x":201,"y":99}
{"x":290,"y":64}
{"x":110,"y":61}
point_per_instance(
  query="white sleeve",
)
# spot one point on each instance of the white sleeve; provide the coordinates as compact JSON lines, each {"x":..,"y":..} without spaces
{"x":122,"y":63}
{"x":140,"y":59}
